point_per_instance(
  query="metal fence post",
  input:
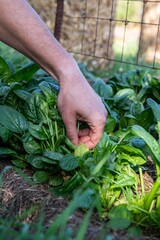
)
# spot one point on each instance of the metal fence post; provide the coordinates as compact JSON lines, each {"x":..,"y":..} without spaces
{"x":59,"y":19}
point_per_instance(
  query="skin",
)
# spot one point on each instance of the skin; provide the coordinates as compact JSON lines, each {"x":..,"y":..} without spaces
{"x":23,"y":29}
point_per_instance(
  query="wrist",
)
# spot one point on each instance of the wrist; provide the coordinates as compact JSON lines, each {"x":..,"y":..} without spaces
{"x":68,"y":72}
{"x":63,"y":68}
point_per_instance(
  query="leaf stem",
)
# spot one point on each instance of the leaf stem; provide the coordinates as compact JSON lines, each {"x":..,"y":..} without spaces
{"x":149,"y":199}
{"x":56,"y":130}
{"x":141,"y":181}
{"x":158,"y":169}
{"x":50,"y":125}
{"x":158,"y":202}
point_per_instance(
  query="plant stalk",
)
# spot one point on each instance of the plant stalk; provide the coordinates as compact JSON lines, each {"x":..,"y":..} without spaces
{"x":148,"y":201}
{"x":141,"y":181}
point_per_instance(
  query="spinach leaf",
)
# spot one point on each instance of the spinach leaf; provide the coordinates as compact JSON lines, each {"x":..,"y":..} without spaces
{"x":5,"y":134}
{"x":30,"y":145}
{"x":38,"y":131}
{"x":51,"y":96}
{"x":145,"y":119}
{"x":103,"y":89}
{"x":40,"y":176}
{"x":55,"y":180}
{"x":155,"y":108}
{"x":37,"y":161}
{"x":56,"y":156}
{"x":32,"y":107}
{"x":136,"y":108}
{"x":22,"y":94}
{"x":4,"y":69}
{"x":80,"y":150}
{"x":150,"y":141}
{"x":119,"y":217}
{"x":69,"y":162}
{"x":12,"y":119}
{"x":25,"y":73}
{"x":7,"y":151}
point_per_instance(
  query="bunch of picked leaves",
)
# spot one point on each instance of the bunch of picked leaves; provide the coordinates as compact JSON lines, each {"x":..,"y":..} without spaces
{"x":32,"y":135}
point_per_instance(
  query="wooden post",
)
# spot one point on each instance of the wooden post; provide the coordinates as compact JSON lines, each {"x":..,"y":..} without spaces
{"x":59,"y":19}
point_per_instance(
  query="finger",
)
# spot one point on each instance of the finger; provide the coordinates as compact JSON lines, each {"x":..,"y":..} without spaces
{"x":84,"y":139}
{"x":71,"y":128}
{"x":83,"y":132}
{"x":96,"y":129}
{"x":87,"y":141}
{"x":90,"y":140}
{"x":94,"y":137}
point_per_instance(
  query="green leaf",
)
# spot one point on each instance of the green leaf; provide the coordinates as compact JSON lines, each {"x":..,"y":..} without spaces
{"x":32,"y":108}
{"x":138,"y":142}
{"x":55,"y":181}
{"x":68,"y":185}
{"x":135,"y":77}
{"x":5,"y":134}
{"x":69,"y":162}
{"x":145,"y":119}
{"x":124,"y":94}
{"x":49,"y":160}
{"x":7,"y":151}
{"x":132,"y":151}
{"x":25,"y":73}
{"x":85,"y":199}
{"x":110,"y":124}
{"x":120,"y":212}
{"x":19,"y":163}
{"x":4,"y":90}
{"x":122,"y":134}
{"x":124,"y":180}
{"x":80,"y":150}
{"x":119,"y":217}
{"x":53,"y":155}
{"x":4,"y":69}
{"x":36,"y":161}
{"x":38,"y":131}
{"x":83,"y":227}
{"x":51,"y":97}
{"x":150,"y":141}
{"x":119,"y":224}
{"x":12,"y":119}
{"x":135,"y":232}
{"x":40,"y":176}
{"x":155,"y":108}
{"x":69,"y":144}
{"x":104,"y":90}
{"x":136,"y":108}
{"x":103,"y":143}
{"x":135,"y":160}
{"x":22,"y":94}
{"x":96,"y":169}
{"x":30,"y":145}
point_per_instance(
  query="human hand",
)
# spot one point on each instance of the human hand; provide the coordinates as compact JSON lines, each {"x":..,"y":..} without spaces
{"x":78,"y":101}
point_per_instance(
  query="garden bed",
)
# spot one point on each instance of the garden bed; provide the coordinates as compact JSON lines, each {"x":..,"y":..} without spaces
{"x":57,"y":189}
{"x":19,"y":196}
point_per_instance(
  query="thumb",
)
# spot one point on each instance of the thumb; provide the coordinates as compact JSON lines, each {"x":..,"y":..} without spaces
{"x":71,"y":128}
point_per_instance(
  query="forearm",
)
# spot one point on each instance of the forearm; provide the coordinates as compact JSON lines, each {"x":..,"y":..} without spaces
{"x":22,"y":29}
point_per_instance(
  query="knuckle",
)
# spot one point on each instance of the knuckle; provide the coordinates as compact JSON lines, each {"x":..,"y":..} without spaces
{"x":103,"y":119}
{"x":100,"y":118}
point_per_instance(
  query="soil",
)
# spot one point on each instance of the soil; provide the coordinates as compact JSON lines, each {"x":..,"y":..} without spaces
{"x":18,"y":195}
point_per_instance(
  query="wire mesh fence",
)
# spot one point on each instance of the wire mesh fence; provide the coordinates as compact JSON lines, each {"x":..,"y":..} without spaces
{"x":125,"y":31}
